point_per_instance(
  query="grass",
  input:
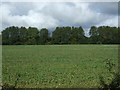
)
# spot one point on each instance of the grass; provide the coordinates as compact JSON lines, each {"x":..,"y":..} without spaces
{"x":56,"y":66}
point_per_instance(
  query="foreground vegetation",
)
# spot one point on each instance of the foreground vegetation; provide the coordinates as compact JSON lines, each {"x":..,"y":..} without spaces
{"x":57,"y":66}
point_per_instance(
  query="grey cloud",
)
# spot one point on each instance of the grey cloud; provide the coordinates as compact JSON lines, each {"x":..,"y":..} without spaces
{"x":20,"y":8}
{"x":105,"y":7}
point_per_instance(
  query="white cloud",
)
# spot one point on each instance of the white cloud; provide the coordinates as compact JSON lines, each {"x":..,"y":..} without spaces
{"x":113,"y":21}
{"x":50,"y":15}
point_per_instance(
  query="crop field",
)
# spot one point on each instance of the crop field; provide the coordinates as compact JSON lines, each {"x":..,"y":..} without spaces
{"x":56,"y":66}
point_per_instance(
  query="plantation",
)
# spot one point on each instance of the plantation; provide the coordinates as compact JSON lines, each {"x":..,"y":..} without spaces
{"x":56,"y":66}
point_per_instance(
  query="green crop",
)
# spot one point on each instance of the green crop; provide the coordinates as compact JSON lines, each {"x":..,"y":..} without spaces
{"x":56,"y":66}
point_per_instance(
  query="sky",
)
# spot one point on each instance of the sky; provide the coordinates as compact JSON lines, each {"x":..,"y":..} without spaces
{"x":53,"y":14}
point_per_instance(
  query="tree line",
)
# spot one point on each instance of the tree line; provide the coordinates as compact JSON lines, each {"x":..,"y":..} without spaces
{"x":61,"y":35}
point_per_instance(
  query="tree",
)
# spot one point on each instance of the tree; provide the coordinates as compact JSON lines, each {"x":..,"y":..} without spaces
{"x":43,"y":36}
{"x":23,"y":35}
{"x":94,"y":35}
{"x":108,"y":35}
{"x":61,"y":35}
{"x":56,"y":36}
{"x":77,"y":35}
{"x":32,"y":33}
{"x":65,"y":35}
{"x":5,"y":36}
{"x":10,"y":35}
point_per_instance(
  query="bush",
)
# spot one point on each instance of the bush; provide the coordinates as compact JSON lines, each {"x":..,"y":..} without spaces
{"x":115,"y":82}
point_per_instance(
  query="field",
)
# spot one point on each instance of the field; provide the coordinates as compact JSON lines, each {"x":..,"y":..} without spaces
{"x":56,"y":66}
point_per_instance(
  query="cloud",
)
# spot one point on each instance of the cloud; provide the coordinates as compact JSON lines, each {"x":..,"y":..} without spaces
{"x":77,"y":14}
{"x":53,"y":14}
{"x":110,"y":8}
{"x":113,"y":21}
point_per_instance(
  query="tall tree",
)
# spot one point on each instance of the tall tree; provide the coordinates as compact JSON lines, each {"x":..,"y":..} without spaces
{"x":23,"y":35}
{"x":56,"y":36}
{"x":10,"y":35}
{"x":65,"y":35}
{"x":5,"y":37}
{"x":108,"y":35}
{"x":61,"y":35}
{"x":32,"y":33}
{"x":77,"y":35}
{"x":43,"y":36}
{"x":94,"y":34}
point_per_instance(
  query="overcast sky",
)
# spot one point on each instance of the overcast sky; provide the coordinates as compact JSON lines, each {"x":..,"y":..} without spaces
{"x":50,"y":15}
